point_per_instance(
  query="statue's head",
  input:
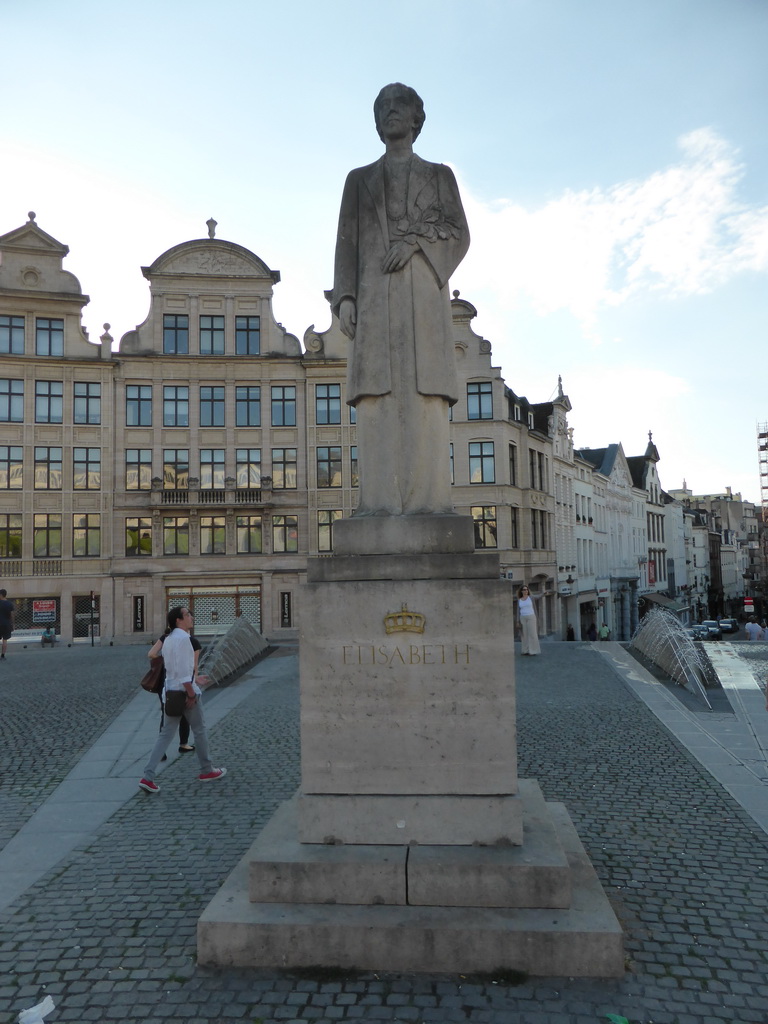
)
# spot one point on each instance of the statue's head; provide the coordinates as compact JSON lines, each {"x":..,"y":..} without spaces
{"x":400,"y":93}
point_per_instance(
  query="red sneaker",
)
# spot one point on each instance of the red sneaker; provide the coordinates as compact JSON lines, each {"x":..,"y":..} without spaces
{"x":148,"y":786}
{"x":212,"y":775}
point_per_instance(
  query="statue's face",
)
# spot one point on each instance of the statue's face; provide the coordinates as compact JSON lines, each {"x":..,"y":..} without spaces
{"x":396,"y":114}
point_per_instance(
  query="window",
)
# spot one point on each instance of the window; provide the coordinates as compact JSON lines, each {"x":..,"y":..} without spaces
{"x":212,"y":469}
{"x":12,"y":335}
{"x":138,"y":537}
{"x":285,"y":533}
{"x":49,"y":336}
{"x":211,"y":407}
{"x":11,"y":401}
{"x":10,"y":535}
{"x":175,"y":535}
{"x":325,"y":520}
{"x":542,"y":459}
{"x":138,"y":469}
{"x":484,"y":518}
{"x":213,"y":540}
{"x":354,"y":476}
{"x":513,"y":465}
{"x":248,"y":406}
{"x":538,"y":528}
{"x":175,"y":469}
{"x":176,"y":406}
{"x":247,"y":341}
{"x":352,"y":414}
{"x":283,"y":406}
{"x":283,"y":469}
{"x":86,"y":535}
{"x":86,"y":469}
{"x":481,"y":465}
{"x":327,"y":403}
{"x":329,"y":467}
{"x":47,"y":469}
{"x":248,"y":468}
{"x":248,"y":535}
{"x":49,"y":401}
{"x":138,"y":405}
{"x":87,"y":402}
{"x":480,"y":401}
{"x":175,"y":334}
{"x":46,"y":536}
{"x":515,"y":536}
{"x":11,"y":466}
{"x":211,"y":335}
{"x":532,"y":466}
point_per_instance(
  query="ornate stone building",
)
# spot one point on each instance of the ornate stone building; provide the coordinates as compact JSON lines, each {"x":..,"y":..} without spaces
{"x":210,"y":453}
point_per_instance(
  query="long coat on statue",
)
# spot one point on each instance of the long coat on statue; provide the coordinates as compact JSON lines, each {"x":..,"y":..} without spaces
{"x":434,"y":218}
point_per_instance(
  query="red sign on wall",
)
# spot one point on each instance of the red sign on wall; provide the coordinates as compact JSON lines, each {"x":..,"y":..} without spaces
{"x":651,"y":573}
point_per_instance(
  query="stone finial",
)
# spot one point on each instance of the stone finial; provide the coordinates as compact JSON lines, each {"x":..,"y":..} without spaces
{"x":559,"y":386}
{"x":650,"y":437}
{"x":31,"y":216}
{"x":211,"y":227}
{"x":456,"y":293}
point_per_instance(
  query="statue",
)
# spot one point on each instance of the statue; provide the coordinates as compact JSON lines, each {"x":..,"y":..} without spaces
{"x":402,"y":232}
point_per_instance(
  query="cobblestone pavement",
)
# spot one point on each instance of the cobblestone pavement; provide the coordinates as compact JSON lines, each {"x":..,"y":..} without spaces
{"x":54,"y":705}
{"x":110,"y":933}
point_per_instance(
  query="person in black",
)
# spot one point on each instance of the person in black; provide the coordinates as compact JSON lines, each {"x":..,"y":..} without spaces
{"x":185,"y":747}
{"x":6,"y":620}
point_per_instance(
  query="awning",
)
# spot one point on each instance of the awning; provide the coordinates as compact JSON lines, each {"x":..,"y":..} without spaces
{"x":666,"y":602}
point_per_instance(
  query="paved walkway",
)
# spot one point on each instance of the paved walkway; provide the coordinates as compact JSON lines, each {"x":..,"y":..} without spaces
{"x":101,"y":885}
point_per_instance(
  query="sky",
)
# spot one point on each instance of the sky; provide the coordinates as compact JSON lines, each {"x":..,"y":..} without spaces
{"x":612,"y":157}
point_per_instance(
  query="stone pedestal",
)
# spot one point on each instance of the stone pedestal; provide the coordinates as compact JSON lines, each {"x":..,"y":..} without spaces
{"x":411,"y":845}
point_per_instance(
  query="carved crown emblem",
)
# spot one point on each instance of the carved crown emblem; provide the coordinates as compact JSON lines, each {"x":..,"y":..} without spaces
{"x":404,"y":621}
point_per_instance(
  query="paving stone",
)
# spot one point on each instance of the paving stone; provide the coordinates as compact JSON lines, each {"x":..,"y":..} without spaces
{"x":675,"y":853}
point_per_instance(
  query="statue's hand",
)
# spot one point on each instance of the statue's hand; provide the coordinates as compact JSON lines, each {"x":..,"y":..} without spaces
{"x":348,"y":317}
{"x":398,"y":256}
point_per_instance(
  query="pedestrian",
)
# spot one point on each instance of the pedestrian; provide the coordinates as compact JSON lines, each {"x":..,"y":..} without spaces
{"x":592,"y":632}
{"x":753,"y":630}
{"x":182,"y":696}
{"x":6,"y":620}
{"x":605,"y":633}
{"x":185,"y":747}
{"x":526,"y":620}
{"x":569,"y":633}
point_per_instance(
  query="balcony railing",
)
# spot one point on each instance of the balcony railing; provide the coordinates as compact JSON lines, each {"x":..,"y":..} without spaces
{"x":15,"y":567}
{"x":208,"y":496}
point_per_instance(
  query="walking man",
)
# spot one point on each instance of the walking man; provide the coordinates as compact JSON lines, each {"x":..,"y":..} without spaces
{"x":182,"y":696}
{"x":6,"y":620}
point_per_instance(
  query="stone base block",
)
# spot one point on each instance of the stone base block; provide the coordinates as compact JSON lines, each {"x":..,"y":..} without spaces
{"x":402,"y":819}
{"x":283,"y":870}
{"x":584,"y":940}
{"x":479,"y":565}
{"x":404,"y":535}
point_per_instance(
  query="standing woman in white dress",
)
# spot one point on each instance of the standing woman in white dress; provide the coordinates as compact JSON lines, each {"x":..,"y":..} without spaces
{"x":526,"y":620}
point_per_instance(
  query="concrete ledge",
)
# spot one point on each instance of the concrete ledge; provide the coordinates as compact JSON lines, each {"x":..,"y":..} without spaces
{"x":404,"y":535}
{"x":283,"y":870}
{"x":399,"y":820}
{"x":535,"y":874}
{"x":583,"y":941}
{"x":347,"y":568}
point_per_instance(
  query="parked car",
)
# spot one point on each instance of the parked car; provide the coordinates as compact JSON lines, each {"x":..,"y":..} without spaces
{"x":713,"y":629}
{"x":699,"y":632}
{"x":729,"y":626}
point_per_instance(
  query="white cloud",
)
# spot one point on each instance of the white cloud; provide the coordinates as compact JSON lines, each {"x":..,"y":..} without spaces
{"x":681,"y":231}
